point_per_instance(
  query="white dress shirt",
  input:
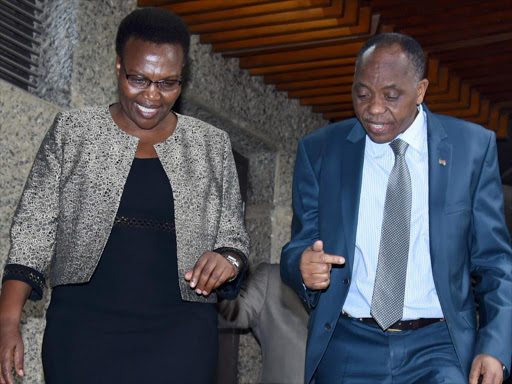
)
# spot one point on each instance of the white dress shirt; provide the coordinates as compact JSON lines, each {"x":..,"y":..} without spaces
{"x":420,"y":293}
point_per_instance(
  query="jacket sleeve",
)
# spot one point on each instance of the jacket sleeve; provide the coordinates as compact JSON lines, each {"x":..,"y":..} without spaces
{"x":304,"y":226}
{"x":232,"y":234}
{"x":244,"y":311}
{"x":34,"y":225}
{"x":491,"y":262}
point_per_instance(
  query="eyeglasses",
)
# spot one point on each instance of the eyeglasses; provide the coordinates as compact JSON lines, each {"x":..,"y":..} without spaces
{"x":141,"y":82}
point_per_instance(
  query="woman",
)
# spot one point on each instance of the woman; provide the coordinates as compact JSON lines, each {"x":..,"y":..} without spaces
{"x":135,"y":211}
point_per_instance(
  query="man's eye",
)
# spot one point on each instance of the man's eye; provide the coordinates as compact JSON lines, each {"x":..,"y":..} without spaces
{"x":391,"y":97}
{"x":363,"y":96}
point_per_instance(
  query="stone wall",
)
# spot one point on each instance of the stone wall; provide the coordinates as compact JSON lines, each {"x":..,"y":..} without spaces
{"x":79,"y":56}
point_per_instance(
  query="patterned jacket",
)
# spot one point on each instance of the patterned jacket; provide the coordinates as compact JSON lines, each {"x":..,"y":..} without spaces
{"x":71,"y":197}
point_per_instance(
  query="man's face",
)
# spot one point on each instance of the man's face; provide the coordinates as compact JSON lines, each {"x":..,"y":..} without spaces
{"x":386,"y":93}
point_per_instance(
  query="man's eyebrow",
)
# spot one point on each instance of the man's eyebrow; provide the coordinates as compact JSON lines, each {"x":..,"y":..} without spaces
{"x":391,"y":86}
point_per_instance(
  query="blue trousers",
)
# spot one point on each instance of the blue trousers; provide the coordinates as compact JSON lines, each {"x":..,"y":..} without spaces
{"x":360,"y":353}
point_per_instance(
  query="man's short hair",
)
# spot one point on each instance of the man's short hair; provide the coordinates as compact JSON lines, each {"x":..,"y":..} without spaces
{"x":411,"y":48}
{"x":153,"y":25}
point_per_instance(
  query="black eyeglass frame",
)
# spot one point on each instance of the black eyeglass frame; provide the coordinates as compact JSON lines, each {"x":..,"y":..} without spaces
{"x":148,"y":82}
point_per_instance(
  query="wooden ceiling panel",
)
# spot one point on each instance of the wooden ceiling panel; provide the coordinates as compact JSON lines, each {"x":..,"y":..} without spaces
{"x":315,"y":13}
{"x":363,"y":27}
{"x":346,"y":15}
{"x":307,"y":48}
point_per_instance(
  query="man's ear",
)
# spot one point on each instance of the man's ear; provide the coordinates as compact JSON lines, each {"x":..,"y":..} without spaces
{"x":421,"y":90}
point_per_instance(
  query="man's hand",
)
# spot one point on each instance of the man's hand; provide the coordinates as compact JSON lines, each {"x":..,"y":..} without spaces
{"x":315,"y":266}
{"x":487,"y":366}
{"x":211,"y":271}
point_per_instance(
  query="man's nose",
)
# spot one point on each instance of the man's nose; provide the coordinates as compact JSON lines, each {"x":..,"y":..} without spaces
{"x":376,"y":106}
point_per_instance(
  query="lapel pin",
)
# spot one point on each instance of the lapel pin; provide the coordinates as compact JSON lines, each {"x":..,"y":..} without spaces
{"x":442,"y":162}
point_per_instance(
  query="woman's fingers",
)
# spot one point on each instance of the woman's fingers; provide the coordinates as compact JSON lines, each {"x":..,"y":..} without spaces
{"x":6,"y":365}
{"x":211,"y":270}
{"x":19,"y":359}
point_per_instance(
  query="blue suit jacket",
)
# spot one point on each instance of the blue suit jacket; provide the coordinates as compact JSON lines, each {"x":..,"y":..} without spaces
{"x":468,"y":235}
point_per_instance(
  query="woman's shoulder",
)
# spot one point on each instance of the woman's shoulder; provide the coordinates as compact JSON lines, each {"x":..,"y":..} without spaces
{"x":194,"y":127}
{"x":88,"y":114}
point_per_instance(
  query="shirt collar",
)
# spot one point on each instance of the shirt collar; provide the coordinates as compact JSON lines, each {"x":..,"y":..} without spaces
{"x":415,"y":136}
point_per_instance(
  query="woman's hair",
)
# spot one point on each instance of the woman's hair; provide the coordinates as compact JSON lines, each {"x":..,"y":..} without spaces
{"x":153,"y":25}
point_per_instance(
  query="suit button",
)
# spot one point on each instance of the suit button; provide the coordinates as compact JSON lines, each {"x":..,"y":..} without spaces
{"x":346,"y":281}
{"x":327,"y":326}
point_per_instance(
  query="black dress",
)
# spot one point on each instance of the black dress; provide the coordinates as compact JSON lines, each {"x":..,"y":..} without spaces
{"x":128,"y":324}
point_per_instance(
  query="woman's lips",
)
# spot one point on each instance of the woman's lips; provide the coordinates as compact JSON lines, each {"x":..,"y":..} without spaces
{"x":147,"y":112}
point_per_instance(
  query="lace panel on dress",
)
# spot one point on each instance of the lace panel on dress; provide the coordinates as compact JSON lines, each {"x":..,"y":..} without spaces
{"x":144,"y":223}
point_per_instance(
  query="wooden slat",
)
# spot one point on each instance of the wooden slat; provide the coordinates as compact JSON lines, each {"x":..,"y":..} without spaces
{"x":333,"y":108}
{"x":299,"y":66}
{"x":344,"y":17}
{"x":364,"y":26}
{"x":466,"y":96}
{"x":322,"y":91}
{"x":315,"y":83}
{"x":443,"y":11}
{"x":300,"y":56}
{"x":476,"y":21}
{"x":185,"y":7}
{"x":259,"y":10}
{"x":452,"y":93}
{"x":439,"y":85}
{"x":309,"y":75}
{"x":471,"y":43}
{"x":323,"y":100}
{"x":339,"y":115}
{"x":335,"y":10}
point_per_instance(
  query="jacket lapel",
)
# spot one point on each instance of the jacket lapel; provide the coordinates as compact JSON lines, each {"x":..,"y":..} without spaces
{"x":351,"y":176}
{"x":439,"y":166}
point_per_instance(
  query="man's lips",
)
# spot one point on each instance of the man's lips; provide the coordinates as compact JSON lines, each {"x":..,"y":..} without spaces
{"x":376,"y":126}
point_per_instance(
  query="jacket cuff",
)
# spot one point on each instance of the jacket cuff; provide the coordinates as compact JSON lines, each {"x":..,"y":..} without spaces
{"x":230,"y":290}
{"x":28,"y":275}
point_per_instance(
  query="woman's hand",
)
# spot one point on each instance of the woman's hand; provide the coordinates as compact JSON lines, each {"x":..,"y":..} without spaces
{"x":210,"y":272}
{"x":11,"y":347}
{"x":13,"y":297}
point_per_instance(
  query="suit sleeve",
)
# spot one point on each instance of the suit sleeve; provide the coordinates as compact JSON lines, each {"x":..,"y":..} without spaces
{"x":304,"y":226}
{"x":244,"y":311}
{"x":491,"y":262}
{"x":34,"y":226}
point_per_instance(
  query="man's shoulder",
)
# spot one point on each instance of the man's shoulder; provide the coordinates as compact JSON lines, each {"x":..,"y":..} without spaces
{"x":457,"y":127}
{"x":339,"y":129}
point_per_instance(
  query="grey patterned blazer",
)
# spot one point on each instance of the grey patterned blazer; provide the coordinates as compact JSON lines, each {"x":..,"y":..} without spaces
{"x":71,"y":197}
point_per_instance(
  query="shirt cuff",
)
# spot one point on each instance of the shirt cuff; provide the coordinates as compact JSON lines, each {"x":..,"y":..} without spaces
{"x":28,"y":275}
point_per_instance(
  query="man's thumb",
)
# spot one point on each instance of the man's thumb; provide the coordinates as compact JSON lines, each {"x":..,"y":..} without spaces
{"x":318,"y":246}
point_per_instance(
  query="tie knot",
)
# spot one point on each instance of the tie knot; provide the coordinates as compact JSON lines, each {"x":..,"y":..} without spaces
{"x":399,"y":147}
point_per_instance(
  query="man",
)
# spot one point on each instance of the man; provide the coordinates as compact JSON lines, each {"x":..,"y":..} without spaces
{"x":394,"y":213}
{"x":278,"y":320}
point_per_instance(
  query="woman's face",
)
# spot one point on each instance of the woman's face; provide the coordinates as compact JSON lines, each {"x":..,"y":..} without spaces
{"x":148,"y":107}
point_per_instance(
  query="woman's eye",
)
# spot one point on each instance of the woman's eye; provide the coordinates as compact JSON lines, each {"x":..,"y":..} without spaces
{"x":138,"y":80}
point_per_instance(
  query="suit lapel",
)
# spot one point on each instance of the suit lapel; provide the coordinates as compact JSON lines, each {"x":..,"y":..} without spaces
{"x":439,"y":166}
{"x":352,"y":159}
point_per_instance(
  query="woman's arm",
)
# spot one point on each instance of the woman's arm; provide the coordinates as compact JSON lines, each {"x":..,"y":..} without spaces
{"x":213,"y":268}
{"x":12,"y":299}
